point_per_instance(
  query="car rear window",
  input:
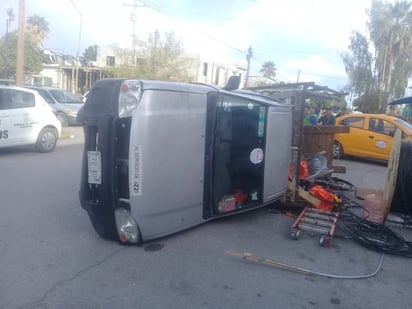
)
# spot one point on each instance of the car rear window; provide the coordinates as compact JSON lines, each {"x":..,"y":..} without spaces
{"x":13,"y":99}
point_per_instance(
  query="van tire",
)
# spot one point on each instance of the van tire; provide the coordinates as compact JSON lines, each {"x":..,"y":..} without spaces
{"x":62,"y":118}
{"x":46,"y":140}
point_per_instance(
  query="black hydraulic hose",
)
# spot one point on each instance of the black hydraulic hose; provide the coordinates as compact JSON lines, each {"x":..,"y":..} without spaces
{"x":375,"y":236}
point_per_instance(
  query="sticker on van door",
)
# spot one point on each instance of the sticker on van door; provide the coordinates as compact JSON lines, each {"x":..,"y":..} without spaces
{"x":256,"y":156}
{"x":135,"y":159}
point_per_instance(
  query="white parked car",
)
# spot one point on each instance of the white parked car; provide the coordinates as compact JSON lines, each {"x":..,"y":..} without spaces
{"x":26,"y":119}
{"x":64,"y":103}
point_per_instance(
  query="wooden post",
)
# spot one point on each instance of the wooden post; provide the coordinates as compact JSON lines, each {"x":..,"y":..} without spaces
{"x":392,"y":170}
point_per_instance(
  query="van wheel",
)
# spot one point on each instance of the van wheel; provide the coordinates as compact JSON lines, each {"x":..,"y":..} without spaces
{"x":337,"y":150}
{"x":62,"y":118}
{"x":47,"y":140}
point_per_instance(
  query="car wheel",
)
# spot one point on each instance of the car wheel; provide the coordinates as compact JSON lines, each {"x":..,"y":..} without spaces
{"x":337,"y":150}
{"x":62,"y":118}
{"x":47,"y":140}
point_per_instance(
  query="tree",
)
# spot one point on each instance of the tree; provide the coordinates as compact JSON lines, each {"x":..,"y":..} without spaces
{"x":268,"y":70}
{"x":37,"y":28}
{"x":391,"y":33}
{"x":359,"y":65}
{"x":33,"y":54}
{"x":90,"y":53}
{"x":157,"y":58}
{"x":383,"y":74}
{"x":35,"y":32}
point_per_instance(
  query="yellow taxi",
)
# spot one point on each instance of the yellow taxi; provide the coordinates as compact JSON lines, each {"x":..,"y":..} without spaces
{"x":370,"y":135}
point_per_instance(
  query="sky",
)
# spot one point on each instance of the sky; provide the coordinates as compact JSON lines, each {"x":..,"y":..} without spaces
{"x":303,"y":38}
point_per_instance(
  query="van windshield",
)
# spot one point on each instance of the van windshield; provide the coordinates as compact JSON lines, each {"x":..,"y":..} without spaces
{"x":63,"y":96}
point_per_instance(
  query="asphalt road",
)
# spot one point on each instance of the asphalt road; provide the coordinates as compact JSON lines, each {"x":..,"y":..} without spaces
{"x":50,"y":257}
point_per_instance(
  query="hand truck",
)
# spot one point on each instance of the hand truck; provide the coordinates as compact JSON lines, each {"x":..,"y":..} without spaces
{"x":318,"y":221}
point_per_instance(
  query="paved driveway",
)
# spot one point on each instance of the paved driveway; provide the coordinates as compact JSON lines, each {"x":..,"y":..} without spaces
{"x":50,"y":257}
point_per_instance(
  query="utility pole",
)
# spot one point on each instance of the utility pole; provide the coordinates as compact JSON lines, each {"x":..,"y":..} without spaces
{"x":154,"y":52}
{"x":248,"y":57}
{"x":75,"y":77}
{"x":297,"y":79}
{"x":134,"y":5}
{"x":20,"y":46}
{"x":10,"y":18}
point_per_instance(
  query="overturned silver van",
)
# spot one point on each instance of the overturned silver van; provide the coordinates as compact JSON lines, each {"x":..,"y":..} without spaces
{"x":160,"y":157}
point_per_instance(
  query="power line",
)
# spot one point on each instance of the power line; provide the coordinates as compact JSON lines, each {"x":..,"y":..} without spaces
{"x":155,"y":7}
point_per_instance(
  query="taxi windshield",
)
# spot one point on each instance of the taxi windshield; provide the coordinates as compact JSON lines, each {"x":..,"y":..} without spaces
{"x":404,"y":124}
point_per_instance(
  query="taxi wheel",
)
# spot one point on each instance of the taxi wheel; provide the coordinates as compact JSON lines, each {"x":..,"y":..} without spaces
{"x":47,"y":140}
{"x":337,"y":150}
{"x":62,"y":118}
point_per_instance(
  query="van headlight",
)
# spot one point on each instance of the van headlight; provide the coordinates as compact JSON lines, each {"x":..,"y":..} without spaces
{"x":129,"y":97}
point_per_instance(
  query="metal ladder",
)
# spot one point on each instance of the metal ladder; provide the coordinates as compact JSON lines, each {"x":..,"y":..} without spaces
{"x":317,"y":221}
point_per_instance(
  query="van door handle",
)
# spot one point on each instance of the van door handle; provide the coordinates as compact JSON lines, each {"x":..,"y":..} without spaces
{"x":371,"y":136}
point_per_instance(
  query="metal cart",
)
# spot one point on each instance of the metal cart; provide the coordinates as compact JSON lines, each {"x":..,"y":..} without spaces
{"x":317,"y":221}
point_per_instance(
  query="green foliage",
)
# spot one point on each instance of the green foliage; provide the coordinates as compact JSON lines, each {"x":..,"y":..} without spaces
{"x":268,"y":70}
{"x":368,"y":103}
{"x":322,"y":103}
{"x":391,"y":32}
{"x":358,"y":65}
{"x":376,"y":77}
{"x":90,"y":53}
{"x":36,"y":30}
{"x":157,"y":58}
{"x":33,"y":54}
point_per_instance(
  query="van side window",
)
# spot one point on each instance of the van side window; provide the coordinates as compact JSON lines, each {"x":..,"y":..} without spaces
{"x":13,"y":99}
